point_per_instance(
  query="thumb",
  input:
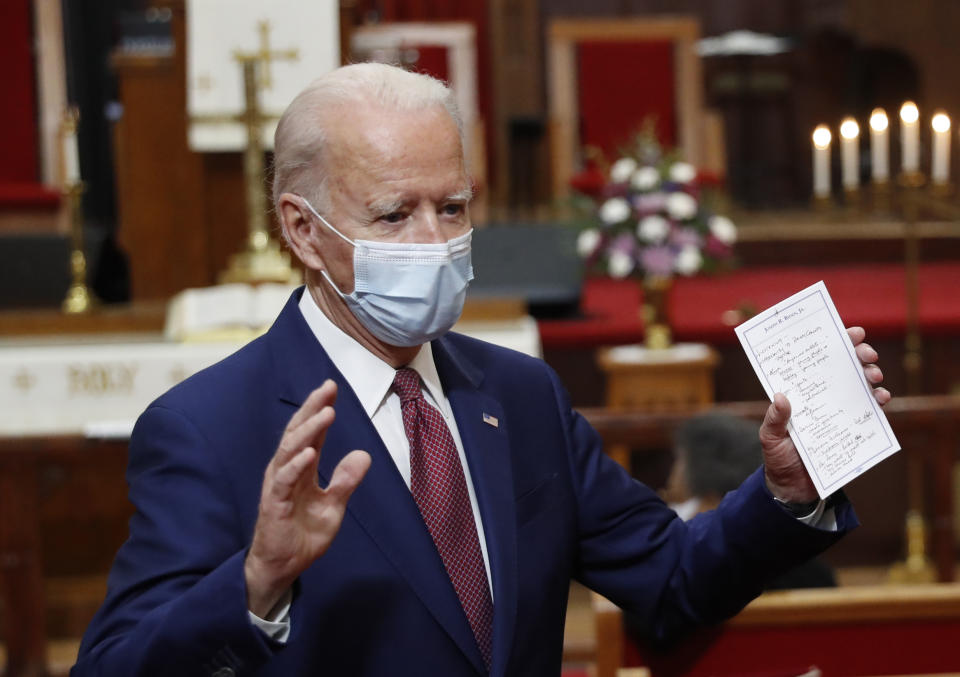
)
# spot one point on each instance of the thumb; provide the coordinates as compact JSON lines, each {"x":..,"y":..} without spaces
{"x":775,"y":420}
{"x":348,"y":474}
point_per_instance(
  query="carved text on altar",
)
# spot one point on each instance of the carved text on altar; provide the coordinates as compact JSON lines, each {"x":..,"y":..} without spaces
{"x":113,"y":378}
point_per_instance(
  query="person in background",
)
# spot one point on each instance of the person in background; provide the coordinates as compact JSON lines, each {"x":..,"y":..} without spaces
{"x":713,"y":454}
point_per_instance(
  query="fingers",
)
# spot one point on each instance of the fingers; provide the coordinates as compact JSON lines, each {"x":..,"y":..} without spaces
{"x":881,"y":395}
{"x":348,"y":474}
{"x":321,"y":397}
{"x":866,"y":353}
{"x":775,"y":420}
{"x":867,"y":356}
{"x":856,"y":334}
{"x":288,"y":475}
{"x":873,"y":374}
{"x":309,"y":433}
{"x":308,"y":425}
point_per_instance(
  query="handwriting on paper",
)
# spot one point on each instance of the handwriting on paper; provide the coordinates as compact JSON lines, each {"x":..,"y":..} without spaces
{"x":800,"y":348}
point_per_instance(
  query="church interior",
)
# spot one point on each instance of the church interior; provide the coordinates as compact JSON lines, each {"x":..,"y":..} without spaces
{"x":803,"y":141}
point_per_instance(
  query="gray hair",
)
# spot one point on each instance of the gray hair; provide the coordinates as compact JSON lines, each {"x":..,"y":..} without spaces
{"x":300,"y":139}
{"x":720,"y":450}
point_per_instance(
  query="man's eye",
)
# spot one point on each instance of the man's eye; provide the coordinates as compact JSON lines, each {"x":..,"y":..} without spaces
{"x":453,"y":209}
{"x":393,"y":217}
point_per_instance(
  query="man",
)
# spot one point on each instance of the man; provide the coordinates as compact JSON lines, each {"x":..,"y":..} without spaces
{"x":462,"y":492}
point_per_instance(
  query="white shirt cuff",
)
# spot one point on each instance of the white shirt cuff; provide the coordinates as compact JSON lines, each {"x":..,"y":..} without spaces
{"x":822,"y":517}
{"x":276,"y":625}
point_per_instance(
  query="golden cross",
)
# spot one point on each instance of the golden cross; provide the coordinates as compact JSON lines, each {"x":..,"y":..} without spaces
{"x":265,"y":56}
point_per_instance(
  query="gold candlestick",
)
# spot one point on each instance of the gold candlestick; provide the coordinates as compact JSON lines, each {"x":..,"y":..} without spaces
{"x":79,"y":298}
{"x":917,"y":567}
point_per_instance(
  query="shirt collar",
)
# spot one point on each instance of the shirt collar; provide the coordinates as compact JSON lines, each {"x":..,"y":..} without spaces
{"x":370,"y":377}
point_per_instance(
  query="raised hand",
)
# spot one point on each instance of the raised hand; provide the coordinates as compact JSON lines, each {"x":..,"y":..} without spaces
{"x":298,"y":520}
{"x":786,"y":477}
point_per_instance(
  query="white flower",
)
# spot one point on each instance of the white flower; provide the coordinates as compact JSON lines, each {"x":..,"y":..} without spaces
{"x":681,"y":206}
{"x":645,"y":178}
{"x":620,"y":264}
{"x":688,"y":261}
{"x":587,"y":242}
{"x":622,"y":169}
{"x":723,"y":229}
{"x":682,"y":172}
{"x":615,"y":210}
{"x":653,"y":228}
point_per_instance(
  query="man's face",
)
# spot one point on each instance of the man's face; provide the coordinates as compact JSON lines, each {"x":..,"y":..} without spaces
{"x":391,"y":177}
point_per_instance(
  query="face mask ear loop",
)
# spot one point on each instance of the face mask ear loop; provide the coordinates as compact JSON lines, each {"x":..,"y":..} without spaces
{"x":327,"y":223}
{"x":344,"y":237}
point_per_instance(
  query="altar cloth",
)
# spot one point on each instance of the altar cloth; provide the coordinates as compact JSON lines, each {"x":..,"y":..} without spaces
{"x":705,"y":308}
{"x":98,"y":388}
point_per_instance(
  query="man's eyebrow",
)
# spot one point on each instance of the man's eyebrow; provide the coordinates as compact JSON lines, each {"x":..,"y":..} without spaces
{"x":464,"y":195}
{"x":387,"y":206}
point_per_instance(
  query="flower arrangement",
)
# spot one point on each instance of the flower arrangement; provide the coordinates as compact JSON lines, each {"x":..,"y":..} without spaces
{"x":647,"y":219}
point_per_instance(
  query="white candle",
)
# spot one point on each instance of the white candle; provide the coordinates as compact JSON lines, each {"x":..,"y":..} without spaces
{"x":821,"y":162}
{"x":71,"y":155}
{"x":850,"y":153}
{"x":879,"y":146}
{"x":910,"y":137}
{"x":940,"y":166}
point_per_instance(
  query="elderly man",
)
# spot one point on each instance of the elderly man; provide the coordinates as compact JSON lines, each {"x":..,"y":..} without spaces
{"x":462,"y":492}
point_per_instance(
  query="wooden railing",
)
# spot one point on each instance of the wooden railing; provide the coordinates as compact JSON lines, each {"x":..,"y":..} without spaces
{"x":927,"y":427}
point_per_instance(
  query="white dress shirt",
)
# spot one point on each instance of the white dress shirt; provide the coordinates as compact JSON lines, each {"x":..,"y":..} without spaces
{"x":372,"y":379}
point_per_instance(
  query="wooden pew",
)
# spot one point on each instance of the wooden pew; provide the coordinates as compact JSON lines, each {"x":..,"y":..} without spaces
{"x":885,"y":630}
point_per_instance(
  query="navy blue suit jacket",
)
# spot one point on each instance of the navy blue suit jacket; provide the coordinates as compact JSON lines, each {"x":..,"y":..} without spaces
{"x":554,"y":507}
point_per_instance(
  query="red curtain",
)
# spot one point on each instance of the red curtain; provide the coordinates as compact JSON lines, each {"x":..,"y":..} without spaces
{"x":18,"y":129}
{"x":620,"y":84}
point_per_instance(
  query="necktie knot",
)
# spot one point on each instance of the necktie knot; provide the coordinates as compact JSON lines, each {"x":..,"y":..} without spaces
{"x":407,"y":384}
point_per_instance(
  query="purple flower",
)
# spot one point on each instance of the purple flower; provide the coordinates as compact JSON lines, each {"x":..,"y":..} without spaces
{"x":649,"y":203}
{"x":657,"y":260}
{"x":686,"y":237}
{"x":624,"y":244}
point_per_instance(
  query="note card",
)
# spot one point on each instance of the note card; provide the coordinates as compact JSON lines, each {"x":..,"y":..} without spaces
{"x":800,"y":348}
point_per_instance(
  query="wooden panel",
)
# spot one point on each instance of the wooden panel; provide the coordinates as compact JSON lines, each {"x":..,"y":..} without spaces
{"x":160,"y":182}
{"x":563,"y":36}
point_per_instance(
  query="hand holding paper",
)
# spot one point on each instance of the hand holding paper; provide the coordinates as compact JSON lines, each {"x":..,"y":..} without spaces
{"x":837,"y":429}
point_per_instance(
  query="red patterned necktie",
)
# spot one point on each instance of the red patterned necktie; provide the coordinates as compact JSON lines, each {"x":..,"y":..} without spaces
{"x":440,"y":490}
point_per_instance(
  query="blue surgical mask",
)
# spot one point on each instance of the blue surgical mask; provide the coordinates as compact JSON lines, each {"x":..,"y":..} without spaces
{"x":406,"y":294}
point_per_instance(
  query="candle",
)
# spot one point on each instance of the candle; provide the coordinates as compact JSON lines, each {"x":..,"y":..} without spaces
{"x":821,"y":162}
{"x":910,"y":137}
{"x":879,"y":146}
{"x":940,"y":169}
{"x":71,"y":156}
{"x":850,"y":153}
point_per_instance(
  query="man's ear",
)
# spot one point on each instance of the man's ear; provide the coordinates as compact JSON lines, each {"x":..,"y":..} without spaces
{"x":299,"y":229}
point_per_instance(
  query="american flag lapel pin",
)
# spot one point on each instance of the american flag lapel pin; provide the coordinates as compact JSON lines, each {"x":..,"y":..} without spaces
{"x":491,"y":420}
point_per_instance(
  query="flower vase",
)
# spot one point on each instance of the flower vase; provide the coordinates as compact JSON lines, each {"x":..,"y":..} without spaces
{"x":653,"y":312}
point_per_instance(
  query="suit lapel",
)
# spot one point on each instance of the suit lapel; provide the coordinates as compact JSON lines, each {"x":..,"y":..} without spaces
{"x":382,"y":504}
{"x":487,"y":449}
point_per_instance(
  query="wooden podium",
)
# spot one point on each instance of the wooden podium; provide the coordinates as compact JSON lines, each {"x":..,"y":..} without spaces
{"x":678,"y":379}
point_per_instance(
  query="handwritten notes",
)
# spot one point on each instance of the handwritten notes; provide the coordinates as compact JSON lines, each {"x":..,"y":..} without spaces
{"x":800,"y":348}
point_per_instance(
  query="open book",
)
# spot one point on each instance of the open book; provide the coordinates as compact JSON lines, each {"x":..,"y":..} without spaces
{"x":226,"y":312}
